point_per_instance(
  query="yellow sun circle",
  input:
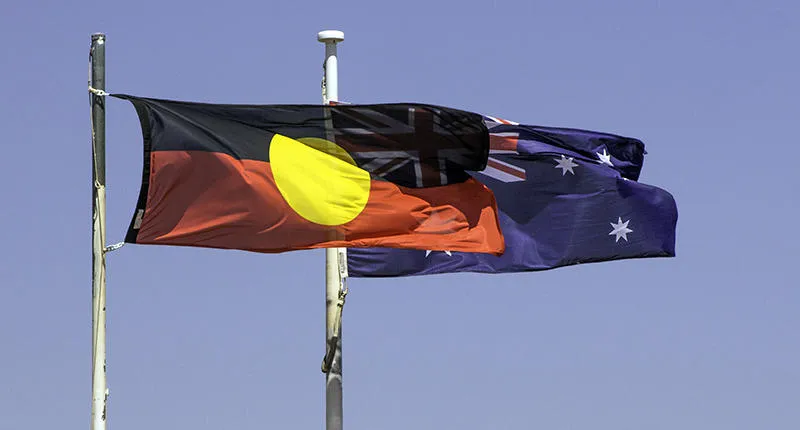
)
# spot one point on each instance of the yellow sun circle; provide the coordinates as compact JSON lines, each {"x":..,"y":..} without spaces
{"x":318,"y":179}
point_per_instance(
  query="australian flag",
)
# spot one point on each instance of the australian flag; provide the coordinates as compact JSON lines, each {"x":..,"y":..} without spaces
{"x":565,"y":197}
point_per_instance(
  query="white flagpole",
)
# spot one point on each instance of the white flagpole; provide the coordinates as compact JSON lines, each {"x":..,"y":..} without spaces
{"x":335,"y":264}
{"x":97,"y":55}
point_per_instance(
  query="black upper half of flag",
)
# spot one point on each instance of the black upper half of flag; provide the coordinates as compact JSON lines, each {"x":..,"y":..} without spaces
{"x":411,"y":144}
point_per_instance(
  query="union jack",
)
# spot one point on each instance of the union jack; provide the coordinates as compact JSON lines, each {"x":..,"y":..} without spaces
{"x":436,"y":151}
{"x":502,"y":143}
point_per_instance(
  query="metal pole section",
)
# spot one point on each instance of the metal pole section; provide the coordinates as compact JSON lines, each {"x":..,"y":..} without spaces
{"x":97,"y":54}
{"x":335,"y":265}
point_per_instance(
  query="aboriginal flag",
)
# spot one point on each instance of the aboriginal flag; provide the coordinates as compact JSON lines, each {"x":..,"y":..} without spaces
{"x":276,"y":178}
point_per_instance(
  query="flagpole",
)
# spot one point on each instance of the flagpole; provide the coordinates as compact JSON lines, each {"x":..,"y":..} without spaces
{"x":335,"y":264}
{"x":97,"y":54}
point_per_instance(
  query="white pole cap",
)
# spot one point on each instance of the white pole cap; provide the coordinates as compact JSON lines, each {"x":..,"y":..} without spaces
{"x":330,"y":36}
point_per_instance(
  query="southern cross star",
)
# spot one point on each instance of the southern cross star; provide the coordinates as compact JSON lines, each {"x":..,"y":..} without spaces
{"x":620,"y":229}
{"x":565,"y":164}
{"x":605,"y":158}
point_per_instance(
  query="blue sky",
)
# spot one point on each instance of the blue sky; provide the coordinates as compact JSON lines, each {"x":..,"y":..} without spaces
{"x":212,"y":339}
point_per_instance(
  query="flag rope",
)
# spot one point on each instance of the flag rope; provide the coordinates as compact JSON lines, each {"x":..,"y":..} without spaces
{"x":327,"y":361}
{"x":113,"y":247}
{"x":97,"y":185}
{"x":97,"y":92}
{"x":101,"y":188}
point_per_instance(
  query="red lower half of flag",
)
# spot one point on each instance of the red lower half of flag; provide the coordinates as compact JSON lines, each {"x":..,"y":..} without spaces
{"x":209,"y":199}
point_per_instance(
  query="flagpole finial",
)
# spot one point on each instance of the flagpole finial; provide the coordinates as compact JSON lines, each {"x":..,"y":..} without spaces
{"x":330,"y":36}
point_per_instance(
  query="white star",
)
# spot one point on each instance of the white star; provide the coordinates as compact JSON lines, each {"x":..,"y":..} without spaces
{"x":565,"y":164}
{"x":620,"y":229}
{"x":605,"y":158}
{"x":427,"y":252}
